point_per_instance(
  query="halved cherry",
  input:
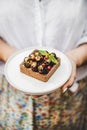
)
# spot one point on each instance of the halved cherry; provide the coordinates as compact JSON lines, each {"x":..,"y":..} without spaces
{"x":36,"y":53}
{"x":34,"y":64}
{"x":26,"y":59}
{"x":44,"y":64}
{"x":32,"y":56}
{"x":27,"y":64}
{"x":37,"y":58}
{"x":46,"y":57}
{"x":49,"y":68}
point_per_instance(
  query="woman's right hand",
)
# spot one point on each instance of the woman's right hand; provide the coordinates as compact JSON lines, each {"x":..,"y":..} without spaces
{"x":6,"y":51}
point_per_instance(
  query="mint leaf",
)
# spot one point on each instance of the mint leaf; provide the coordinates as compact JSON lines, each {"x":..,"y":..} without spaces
{"x":43,"y":52}
{"x":53,"y":59}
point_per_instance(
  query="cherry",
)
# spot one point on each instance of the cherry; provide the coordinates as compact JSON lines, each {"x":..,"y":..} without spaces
{"x":44,"y":64}
{"x":49,"y":67}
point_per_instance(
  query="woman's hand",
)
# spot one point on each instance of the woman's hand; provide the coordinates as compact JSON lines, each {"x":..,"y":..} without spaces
{"x":72,"y":78}
{"x":78,"y":57}
{"x":6,"y":51}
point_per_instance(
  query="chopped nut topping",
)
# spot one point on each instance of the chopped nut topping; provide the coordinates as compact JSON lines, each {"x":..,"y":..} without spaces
{"x":39,"y":62}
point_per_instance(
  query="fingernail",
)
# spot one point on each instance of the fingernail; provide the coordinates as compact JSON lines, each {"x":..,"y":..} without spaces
{"x":64,"y":90}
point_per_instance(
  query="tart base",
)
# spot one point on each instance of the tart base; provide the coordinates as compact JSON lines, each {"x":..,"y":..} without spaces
{"x":36,"y":75}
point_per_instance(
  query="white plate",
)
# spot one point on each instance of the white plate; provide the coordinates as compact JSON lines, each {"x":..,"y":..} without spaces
{"x":31,"y":85}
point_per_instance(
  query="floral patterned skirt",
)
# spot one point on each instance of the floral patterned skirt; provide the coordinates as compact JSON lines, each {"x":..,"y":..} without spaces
{"x":55,"y":111}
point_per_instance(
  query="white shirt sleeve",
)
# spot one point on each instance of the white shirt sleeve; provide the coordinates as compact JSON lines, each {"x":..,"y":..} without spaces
{"x":82,"y":71}
{"x":83,"y":38}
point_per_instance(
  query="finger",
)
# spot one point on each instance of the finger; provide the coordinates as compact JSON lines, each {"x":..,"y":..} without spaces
{"x":70,"y":82}
{"x":36,"y":96}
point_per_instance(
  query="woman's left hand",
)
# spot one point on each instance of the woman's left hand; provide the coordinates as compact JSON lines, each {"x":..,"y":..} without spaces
{"x":78,"y":57}
{"x":72,"y":78}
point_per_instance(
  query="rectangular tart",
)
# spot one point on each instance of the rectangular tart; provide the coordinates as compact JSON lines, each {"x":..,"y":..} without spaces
{"x":40,"y":64}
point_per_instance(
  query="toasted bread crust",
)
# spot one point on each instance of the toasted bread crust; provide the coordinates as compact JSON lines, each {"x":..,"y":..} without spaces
{"x":42,"y":77}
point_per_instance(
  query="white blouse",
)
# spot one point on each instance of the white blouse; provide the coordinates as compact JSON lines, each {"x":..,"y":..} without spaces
{"x":60,"y":24}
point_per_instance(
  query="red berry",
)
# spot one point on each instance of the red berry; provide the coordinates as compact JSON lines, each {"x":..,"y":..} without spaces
{"x":44,"y":64}
{"x":46,"y":57}
{"x":49,"y":67}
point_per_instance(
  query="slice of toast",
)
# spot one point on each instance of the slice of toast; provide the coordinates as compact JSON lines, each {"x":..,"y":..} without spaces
{"x":40,"y":64}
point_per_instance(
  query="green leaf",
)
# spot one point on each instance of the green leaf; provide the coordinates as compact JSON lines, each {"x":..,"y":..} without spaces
{"x":43,"y":52}
{"x":53,"y":59}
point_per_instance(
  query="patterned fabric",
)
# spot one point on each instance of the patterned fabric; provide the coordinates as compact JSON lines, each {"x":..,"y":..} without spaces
{"x":55,"y":111}
{"x":16,"y":110}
